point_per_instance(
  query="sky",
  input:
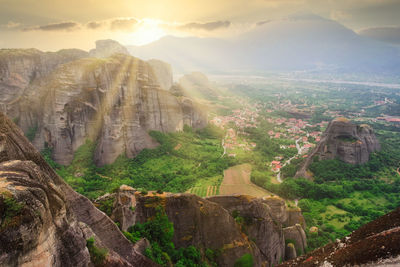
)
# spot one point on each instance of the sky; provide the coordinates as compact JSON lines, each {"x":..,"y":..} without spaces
{"x":51,"y":25}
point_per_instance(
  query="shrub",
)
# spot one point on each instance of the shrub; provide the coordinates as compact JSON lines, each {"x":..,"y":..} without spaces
{"x":97,"y":255}
{"x":31,"y":133}
{"x":245,"y":261}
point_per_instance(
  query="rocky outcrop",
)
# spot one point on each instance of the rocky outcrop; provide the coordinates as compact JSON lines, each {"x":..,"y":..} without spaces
{"x":123,"y":208}
{"x":43,"y":221}
{"x":162,"y":72}
{"x":278,"y":208}
{"x":107,"y":48}
{"x":115,"y":101}
{"x":21,"y":67}
{"x":290,"y":252}
{"x":235,"y":225}
{"x":259,"y":224}
{"x":201,"y":223}
{"x":374,"y":244}
{"x":344,"y":140}
{"x":295,"y":216}
{"x":296,"y":235}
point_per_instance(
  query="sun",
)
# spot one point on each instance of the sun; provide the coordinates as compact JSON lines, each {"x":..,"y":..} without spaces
{"x":149,"y":30}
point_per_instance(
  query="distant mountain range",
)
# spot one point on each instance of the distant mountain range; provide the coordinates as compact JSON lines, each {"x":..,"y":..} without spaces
{"x":300,"y":42}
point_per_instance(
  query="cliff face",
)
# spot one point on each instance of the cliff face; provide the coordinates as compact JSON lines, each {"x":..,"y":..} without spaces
{"x":234,"y":225}
{"x":20,"y":67}
{"x":114,"y":101}
{"x":43,"y":222}
{"x":201,"y":223}
{"x":163,"y":72}
{"x":346,"y":141}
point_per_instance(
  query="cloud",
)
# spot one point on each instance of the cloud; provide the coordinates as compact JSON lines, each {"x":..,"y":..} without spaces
{"x":62,"y":26}
{"x":263,"y":22}
{"x":127,"y":24}
{"x":94,"y":25}
{"x":389,"y":34}
{"x":12,"y":25}
{"x":208,"y":26}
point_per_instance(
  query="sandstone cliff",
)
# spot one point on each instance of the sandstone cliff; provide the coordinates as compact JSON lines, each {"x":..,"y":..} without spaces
{"x":20,"y":67}
{"x":343,"y":140}
{"x":114,"y":101}
{"x":236,"y":224}
{"x":163,"y":73}
{"x":201,"y":223}
{"x":43,"y":221}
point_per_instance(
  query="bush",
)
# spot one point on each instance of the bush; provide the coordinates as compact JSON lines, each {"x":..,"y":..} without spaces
{"x":31,"y":133}
{"x":245,"y":261}
{"x":97,"y":255}
{"x":11,"y":209}
{"x":159,"y":231}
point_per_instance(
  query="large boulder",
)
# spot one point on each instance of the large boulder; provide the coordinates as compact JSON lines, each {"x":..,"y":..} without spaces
{"x":344,"y":140}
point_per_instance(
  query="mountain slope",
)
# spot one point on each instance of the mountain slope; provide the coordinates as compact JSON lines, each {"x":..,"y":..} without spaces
{"x":297,"y":43}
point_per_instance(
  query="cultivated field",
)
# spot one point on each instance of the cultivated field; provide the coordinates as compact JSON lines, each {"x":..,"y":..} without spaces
{"x":207,"y":187}
{"x":237,"y":181}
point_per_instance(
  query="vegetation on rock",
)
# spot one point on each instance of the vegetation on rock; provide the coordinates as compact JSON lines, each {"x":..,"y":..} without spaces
{"x":97,"y":255}
{"x":160,"y":231}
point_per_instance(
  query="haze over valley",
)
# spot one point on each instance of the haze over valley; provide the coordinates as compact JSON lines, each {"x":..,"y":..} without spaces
{"x":174,"y":133}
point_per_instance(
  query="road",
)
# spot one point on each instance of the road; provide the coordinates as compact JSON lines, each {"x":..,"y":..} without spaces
{"x":299,"y":151}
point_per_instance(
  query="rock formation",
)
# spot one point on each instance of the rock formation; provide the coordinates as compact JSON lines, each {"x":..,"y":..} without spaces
{"x":201,"y":223}
{"x":21,"y":67}
{"x":115,"y":101}
{"x":107,"y":48}
{"x":236,"y":224}
{"x":119,"y":206}
{"x":260,"y":224}
{"x":43,"y":222}
{"x":374,"y":244}
{"x":343,"y":140}
{"x":163,"y":73}
{"x":296,"y":235}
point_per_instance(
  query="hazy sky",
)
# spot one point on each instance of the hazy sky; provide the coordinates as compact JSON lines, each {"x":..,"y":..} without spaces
{"x":56,"y":24}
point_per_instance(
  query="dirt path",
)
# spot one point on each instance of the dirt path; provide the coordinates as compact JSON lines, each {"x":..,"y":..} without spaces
{"x":237,"y":181}
{"x":299,"y":151}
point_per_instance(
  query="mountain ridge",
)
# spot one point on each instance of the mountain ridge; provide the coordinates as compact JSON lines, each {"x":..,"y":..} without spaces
{"x":300,"y":42}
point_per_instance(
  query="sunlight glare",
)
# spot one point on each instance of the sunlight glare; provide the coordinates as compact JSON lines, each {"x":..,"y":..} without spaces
{"x":148,"y":31}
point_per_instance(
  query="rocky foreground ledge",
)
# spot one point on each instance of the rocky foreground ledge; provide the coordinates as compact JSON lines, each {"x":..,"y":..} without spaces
{"x":43,"y":221}
{"x":374,"y":244}
{"x":233,"y":225}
